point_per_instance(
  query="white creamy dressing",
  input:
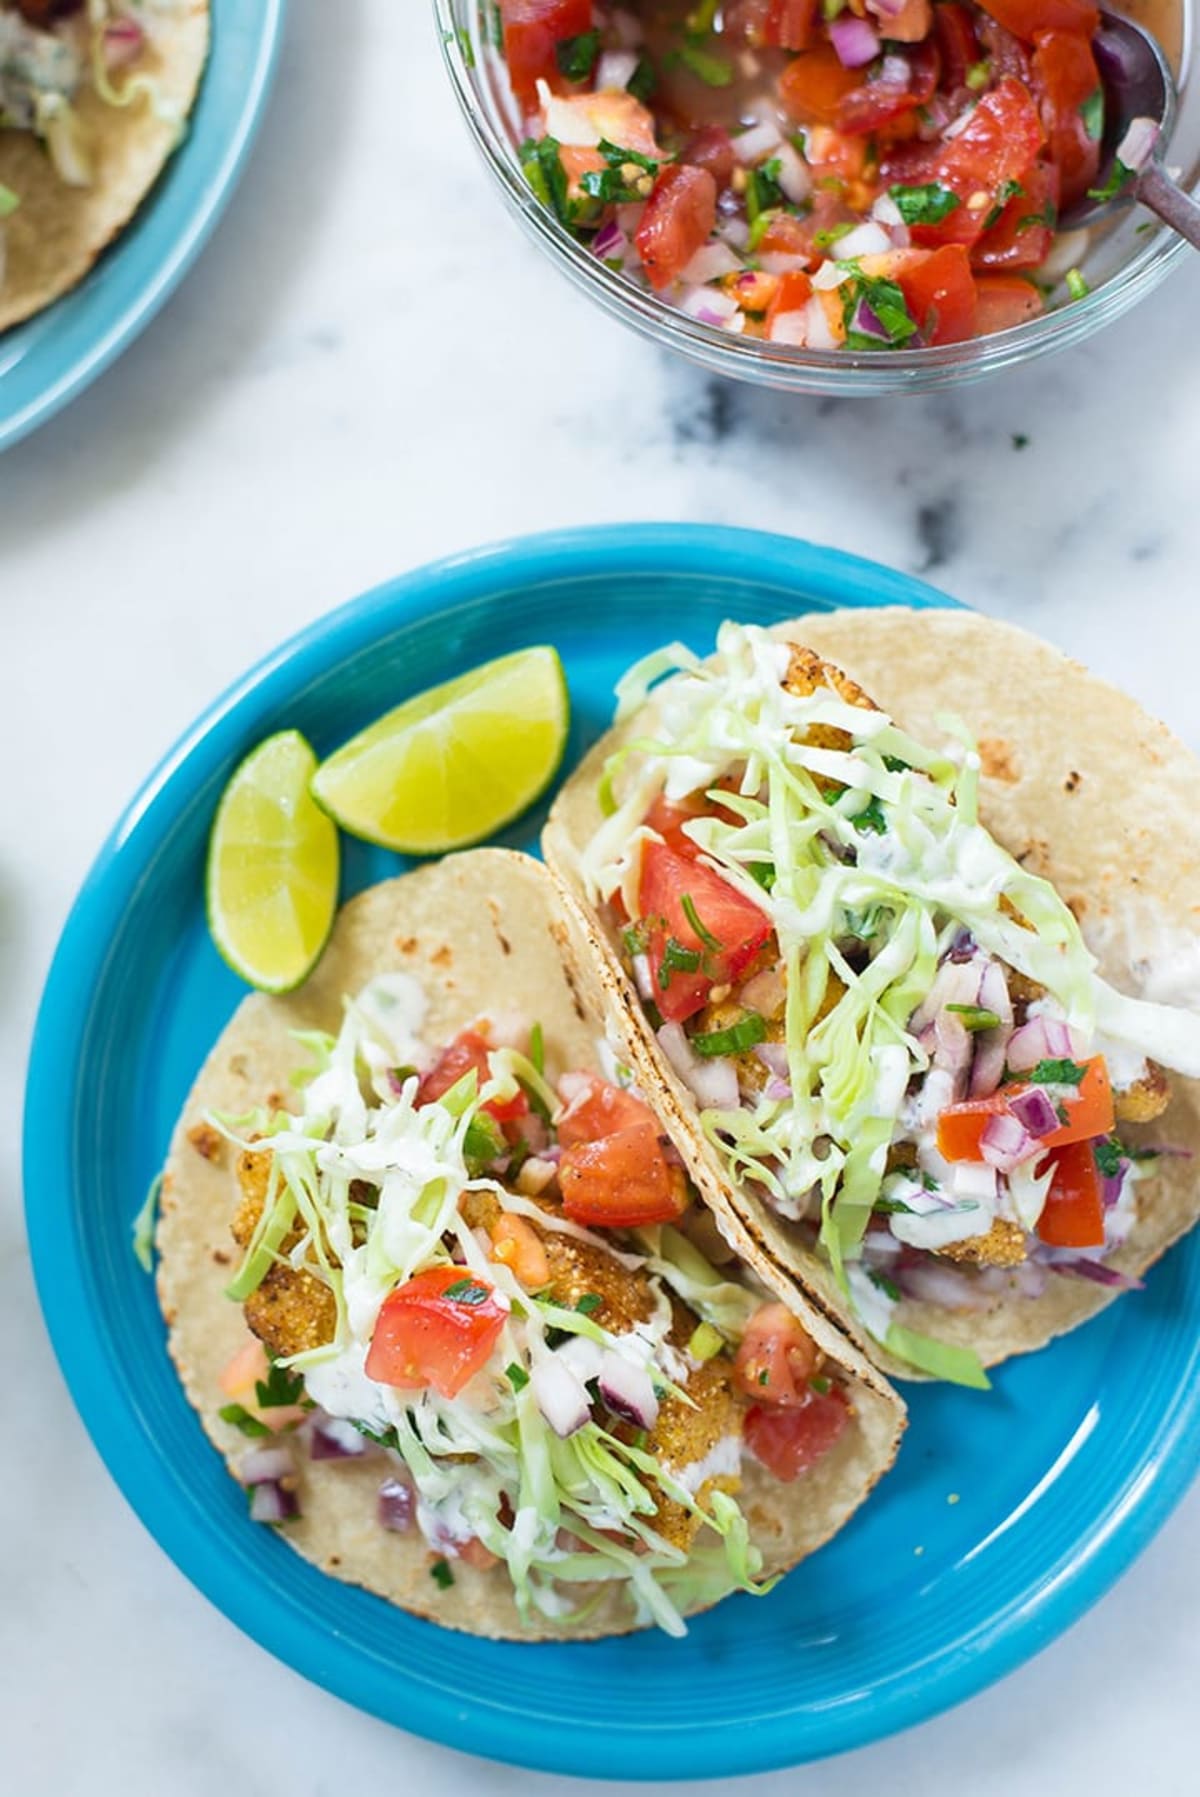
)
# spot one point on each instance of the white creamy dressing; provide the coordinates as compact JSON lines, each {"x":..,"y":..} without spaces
{"x":723,"y":1460}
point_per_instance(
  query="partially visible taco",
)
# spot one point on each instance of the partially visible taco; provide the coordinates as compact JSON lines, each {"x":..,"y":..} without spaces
{"x":897,"y":972}
{"x":442,"y":1294}
{"x":94,"y":97}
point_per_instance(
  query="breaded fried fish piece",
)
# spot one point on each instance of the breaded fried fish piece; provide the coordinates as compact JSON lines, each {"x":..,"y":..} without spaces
{"x":292,"y":1310}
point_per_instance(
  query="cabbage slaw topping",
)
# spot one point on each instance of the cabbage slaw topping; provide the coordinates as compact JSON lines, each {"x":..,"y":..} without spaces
{"x":872,"y":886}
{"x":374,"y":1181}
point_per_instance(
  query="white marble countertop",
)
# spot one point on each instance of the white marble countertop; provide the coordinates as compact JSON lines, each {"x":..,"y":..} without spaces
{"x":370,"y":367}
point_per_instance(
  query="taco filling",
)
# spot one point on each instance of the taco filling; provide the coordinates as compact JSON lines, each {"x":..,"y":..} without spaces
{"x":894,"y":1034}
{"x":501,"y":1288}
{"x":93,"y":98}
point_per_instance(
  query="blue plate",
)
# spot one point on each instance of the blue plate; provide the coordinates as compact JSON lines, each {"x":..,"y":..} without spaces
{"x":46,"y":362}
{"x":1007,"y":1513}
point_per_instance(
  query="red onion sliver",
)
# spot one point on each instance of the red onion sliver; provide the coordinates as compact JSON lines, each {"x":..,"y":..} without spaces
{"x":396,"y":1506}
{"x":1006,"y":1142}
{"x":628,"y":1390}
{"x":1034,"y":1111}
{"x":273,"y":1502}
{"x":262,"y":1466}
{"x":855,"y":40}
{"x":333,"y":1438}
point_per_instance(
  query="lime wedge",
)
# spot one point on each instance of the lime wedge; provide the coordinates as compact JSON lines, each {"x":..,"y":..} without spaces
{"x":272,"y":878}
{"x":456,"y":763}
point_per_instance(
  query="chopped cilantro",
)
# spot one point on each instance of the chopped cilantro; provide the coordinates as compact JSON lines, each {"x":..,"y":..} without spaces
{"x":643,"y":81}
{"x":576,"y":56}
{"x":628,"y":177}
{"x":872,"y":818}
{"x":240,"y":1417}
{"x":885,"y":300}
{"x":542,"y":167}
{"x":891,"y":1207}
{"x":824,"y":240}
{"x":763,"y":192}
{"x":926,"y":204}
{"x":589,"y":1303}
{"x":1118,"y":180}
{"x":468,"y":1291}
{"x":516,"y":1375}
{"x":441,"y":1575}
{"x":714,"y":71}
{"x":279,"y":1388}
{"x":706,"y":936}
{"x":636,"y":939}
{"x":537,"y":1048}
{"x":887,"y":1286}
{"x":1007,"y":190}
{"x":975,"y":1017}
{"x":740,"y":1036}
{"x":1020,"y":440}
{"x":820,"y":1384}
{"x":1057,"y":1073}
{"x":496,"y":22}
{"x":1108,"y":1156}
{"x":894,"y":765}
{"x":482,"y":1142}
{"x":1077,"y":287}
{"x":762,"y":873}
{"x":676,"y":959}
{"x":1092,"y":114}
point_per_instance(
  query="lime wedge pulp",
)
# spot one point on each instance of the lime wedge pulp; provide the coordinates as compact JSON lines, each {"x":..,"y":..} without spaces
{"x":272,"y":879}
{"x":455,"y":764}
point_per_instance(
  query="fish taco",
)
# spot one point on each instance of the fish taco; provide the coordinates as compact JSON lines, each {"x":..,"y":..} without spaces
{"x":903,"y":913}
{"x":94,"y":97}
{"x":439,"y":1287}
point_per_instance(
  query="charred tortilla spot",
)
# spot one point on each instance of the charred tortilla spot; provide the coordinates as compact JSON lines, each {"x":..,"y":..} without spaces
{"x":205,"y":1140}
{"x":996,"y":760}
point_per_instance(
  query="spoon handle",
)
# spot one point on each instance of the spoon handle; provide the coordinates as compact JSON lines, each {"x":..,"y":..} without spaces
{"x":1156,"y":190}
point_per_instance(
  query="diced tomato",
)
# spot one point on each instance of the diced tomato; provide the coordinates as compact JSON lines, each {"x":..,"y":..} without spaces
{"x":438,"y":1329}
{"x":1065,"y":78}
{"x":792,"y":295}
{"x":1073,"y":1216}
{"x":1089,"y":1114}
{"x":243,"y":1372}
{"x":621,"y":1181}
{"x":532,"y":31}
{"x":878,"y":104}
{"x":909,"y":25}
{"x":789,"y":1442}
{"x":1004,"y":53}
{"x":668,"y":817}
{"x":1027,"y":17}
{"x":790,"y":23}
{"x":998,"y":145}
{"x":517,"y":1244}
{"x":712,"y":148}
{"x":725,"y":915}
{"x":776,"y":1357}
{"x":1022,"y":235}
{"x":940,"y":295}
{"x":595,"y":1109}
{"x":678,"y":220}
{"x":468,"y":1051}
{"x":813,"y":86}
{"x":954,"y":30}
{"x":1002,"y":301}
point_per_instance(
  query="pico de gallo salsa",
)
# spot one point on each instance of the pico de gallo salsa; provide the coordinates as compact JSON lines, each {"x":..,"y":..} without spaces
{"x":859,"y":174}
{"x":499,"y":1283}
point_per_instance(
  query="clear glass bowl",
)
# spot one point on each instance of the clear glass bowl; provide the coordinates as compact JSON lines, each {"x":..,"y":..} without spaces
{"x":1124,"y":262}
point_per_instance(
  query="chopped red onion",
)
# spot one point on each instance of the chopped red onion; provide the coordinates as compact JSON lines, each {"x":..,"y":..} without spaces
{"x":1112,"y":1185}
{"x":609,"y":241}
{"x":963,"y":948}
{"x":777,"y":1090}
{"x":774,"y":1058}
{"x":867,"y":323}
{"x":122,"y":42}
{"x":711,"y":262}
{"x":615,"y":69}
{"x":537,"y":1173}
{"x":643,"y":978}
{"x":560,"y":1396}
{"x":333,"y":1438}
{"x":396,"y":1506}
{"x":628,"y":1390}
{"x":756,"y":144}
{"x":991,"y":1046}
{"x":953,"y":1050}
{"x":1041,"y":1039}
{"x":855,"y":40}
{"x":766,"y":992}
{"x":273,"y":1502}
{"x":582,"y":1355}
{"x":1034,"y":1111}
{"x":894,"y":70}
{"x":1081,"y":1268}
{"x":264,"y":1466}
{"x":1137,"y":146}
{"x":1006,"y":1142}
{"x":713,"y":1083}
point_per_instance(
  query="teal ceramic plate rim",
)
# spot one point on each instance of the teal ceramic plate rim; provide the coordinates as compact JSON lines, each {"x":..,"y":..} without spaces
{"x":47,"y":361}
{"x":1036,"y":1602}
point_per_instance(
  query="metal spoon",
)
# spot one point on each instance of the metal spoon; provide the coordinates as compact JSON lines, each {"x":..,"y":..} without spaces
{"x":1139,"y":114}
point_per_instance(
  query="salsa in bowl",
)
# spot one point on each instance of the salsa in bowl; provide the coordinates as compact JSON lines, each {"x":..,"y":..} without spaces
{"x":822,"y":194}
